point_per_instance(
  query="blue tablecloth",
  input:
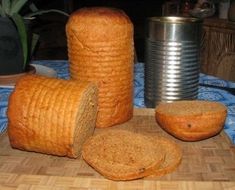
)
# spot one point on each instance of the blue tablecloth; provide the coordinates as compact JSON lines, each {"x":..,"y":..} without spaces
{"x":205,"y":93}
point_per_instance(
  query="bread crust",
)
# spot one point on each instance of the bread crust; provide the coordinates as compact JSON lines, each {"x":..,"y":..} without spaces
{"x":100,"y":24}
{"x":51,"y":116}
{"x":101,"y":50}
{"x":191,"y":120}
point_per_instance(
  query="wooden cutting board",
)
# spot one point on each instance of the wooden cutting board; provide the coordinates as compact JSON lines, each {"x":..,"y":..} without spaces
{"x":209,"y":164}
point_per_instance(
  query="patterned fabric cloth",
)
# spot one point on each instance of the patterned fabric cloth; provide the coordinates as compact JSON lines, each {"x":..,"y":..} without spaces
{"x":205,"y":93}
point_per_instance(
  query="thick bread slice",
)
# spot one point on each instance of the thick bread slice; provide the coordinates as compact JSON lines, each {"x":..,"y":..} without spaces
{"x":191,"y":120}
{"x":51,"y":116}
{"x":122,"y":155}
{"x":173,"y":155}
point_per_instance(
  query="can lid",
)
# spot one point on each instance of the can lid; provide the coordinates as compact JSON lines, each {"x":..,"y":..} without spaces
{"x":175,"y":19}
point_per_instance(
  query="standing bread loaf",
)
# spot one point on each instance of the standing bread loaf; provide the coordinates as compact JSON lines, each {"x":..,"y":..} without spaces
{"x":101,"y":49}
{"x":51,"y":116}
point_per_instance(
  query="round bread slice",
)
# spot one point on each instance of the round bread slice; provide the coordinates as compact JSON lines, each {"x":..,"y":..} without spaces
{"x":173,"y":155}
{"x":122,"y":155}
{"x":191,"y":120}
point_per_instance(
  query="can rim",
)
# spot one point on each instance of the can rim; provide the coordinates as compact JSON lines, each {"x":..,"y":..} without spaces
{"x":175,"y":19}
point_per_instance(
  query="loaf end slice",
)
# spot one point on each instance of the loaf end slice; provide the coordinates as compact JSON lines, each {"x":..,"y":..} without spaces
{"x":191,"y":120}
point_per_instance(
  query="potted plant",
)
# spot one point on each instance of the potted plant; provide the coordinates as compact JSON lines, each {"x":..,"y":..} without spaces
{"x":17,"y":43}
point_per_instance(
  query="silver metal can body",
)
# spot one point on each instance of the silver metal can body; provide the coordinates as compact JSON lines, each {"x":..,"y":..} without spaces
{"x":172,"y":59}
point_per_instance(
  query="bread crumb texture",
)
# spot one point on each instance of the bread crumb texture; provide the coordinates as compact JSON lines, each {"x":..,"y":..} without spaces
{"x":125,"y":155}
{"x":194,"y":107}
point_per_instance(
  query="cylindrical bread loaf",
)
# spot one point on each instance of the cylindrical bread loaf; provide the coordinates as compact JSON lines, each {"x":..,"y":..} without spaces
{"x":101,"y":49}
{"x":51,"y":116}
{"x":191,"y":120}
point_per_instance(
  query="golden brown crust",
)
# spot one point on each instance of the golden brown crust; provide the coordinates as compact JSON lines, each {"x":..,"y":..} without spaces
{"x":102,"y":14}
{"x":100,"y":24}
{"x":191,"y":120}
{"x":51,"y":116}
{"x":122,"y":155}
{"x":101,"y":50}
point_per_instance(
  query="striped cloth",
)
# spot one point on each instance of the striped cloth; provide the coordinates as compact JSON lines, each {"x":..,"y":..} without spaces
{"x":205,"y":93}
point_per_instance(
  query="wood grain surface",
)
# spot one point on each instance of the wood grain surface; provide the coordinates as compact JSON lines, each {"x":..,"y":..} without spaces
{"x":218,"y":48}
{"x":207,"y":164}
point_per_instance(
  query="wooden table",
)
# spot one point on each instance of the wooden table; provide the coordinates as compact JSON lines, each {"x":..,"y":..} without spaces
{"x":206,"y":165}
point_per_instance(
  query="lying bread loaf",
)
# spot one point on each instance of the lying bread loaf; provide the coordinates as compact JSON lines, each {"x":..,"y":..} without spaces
{"x":123,"y":155}
{"x":101,"y":49}
{"x":51,"y":116}
{"x":191,"y":120}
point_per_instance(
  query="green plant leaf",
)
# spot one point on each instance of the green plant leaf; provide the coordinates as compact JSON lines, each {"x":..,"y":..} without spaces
{"x":46,"y":11}
{"x":33,"y":7}
{"x":17,"y":6}
{"x":2,"y":11}
{"x":20,"y":25}
{"x":6,"y":5}
{"x":34,"y":42}
{"x":13,"y":2}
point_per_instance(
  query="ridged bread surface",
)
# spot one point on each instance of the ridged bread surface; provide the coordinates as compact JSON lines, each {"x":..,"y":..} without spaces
{"x":51,"y":116}
{"x":101,"y":50}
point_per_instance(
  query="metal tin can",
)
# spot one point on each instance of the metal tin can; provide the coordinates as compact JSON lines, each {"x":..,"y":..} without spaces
{"x":172,"y":59}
